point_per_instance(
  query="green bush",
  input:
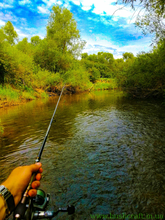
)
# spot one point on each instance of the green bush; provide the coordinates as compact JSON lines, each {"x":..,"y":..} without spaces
{"x":94,"y":74}
{"x":28,"y":95}
{"x":103,"y":84}
{"x":44,"y":78}
{"x":17,"y":66}
{"x":8,"y":93}
{"x":77,"y":78}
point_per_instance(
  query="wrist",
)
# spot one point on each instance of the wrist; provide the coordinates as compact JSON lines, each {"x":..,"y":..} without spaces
{"x":6,"y":195}
{"x":16,"y":195}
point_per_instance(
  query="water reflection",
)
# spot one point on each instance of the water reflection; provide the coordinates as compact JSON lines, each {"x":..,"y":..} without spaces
{"x":104,"y":153}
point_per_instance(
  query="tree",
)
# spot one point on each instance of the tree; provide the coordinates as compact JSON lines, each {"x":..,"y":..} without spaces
{"x":35,"y":40}
{"x":127,"y":56}
{"x":84,"y":55}
{"x":48,"y":56}
{"x":62,"y":43}
{"x":10,"y":34}
{"x":94,"y":74}
{"x":25,"y":46}
{"x":62,"y":28}
{"x":108,"y":57}
{"x":2,"y":38}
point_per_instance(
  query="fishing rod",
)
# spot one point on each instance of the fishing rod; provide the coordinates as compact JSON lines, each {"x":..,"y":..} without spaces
{"x":40,"y":201}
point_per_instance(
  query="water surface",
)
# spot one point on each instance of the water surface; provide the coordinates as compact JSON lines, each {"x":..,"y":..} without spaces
{"x":105,"y":154}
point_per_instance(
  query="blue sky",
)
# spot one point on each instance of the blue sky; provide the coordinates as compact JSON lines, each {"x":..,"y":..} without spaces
{"x":102,"y":31}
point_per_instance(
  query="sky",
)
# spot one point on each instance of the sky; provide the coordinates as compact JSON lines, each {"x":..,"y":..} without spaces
{"x":104,"y":25}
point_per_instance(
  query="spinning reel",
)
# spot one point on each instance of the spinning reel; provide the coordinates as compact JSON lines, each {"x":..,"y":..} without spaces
{"x":37,"y":205}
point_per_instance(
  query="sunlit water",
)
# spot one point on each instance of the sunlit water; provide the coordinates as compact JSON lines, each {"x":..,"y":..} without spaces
{"x":105,"y":154}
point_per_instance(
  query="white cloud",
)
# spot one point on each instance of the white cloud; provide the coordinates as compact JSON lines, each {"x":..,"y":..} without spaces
{"x":94,"y":49}
{"x":105,"y":7}
{"x":67,"y":5}
{"x":50,"y":3}
{"x":21,"y":34}
{"x":86,"y":8}
{"x":43,"y":10}
{"x":24,"y":2}
{"x":97,"y":44}
{"x":137,"y":46}
{"x":76,"y":2}
{"x":2,"y":23}
{"x":41,"y":36}
{"x":115,"y":18}
{"x":8,"y":17}
{"x":115,"y":10}
{"x":59,"y":3}
{"x":3,"y":5}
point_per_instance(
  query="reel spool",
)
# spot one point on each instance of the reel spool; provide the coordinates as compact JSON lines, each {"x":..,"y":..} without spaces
{"x":41,"y":200}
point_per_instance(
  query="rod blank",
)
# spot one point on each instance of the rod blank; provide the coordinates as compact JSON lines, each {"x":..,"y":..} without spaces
{"x":40,"y":153}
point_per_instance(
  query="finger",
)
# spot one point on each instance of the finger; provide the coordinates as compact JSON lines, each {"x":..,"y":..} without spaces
{"x":35,"y":167}
{"x":40,"y":170}
{"x":32,"y":192}
{"x":35,"y":184}
{"x":38,"y":176}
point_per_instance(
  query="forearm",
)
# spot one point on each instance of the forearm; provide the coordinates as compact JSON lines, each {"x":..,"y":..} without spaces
{"x":2,"y":209}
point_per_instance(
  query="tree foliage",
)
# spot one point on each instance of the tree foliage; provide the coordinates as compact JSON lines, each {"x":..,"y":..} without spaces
{"x":145,"y":72}
{"x":127,"y":56}
{"x":35,"y":40}
{"x":100,"y":65}
{"x":147,"y":4}
{"x":151,"y":16}
{"x":62,"y":29}
{"x":10,"y":34}
{"x":62,"y":44}
{"x":25,"y":46}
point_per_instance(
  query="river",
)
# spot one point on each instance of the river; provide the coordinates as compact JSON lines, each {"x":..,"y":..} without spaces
{"x":105,"y":154}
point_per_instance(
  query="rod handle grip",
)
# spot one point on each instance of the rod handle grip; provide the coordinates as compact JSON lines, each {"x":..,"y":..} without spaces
{"x":19,"y":212}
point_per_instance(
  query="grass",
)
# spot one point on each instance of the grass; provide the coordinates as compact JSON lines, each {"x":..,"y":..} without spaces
{"x":10,"y":96}
{"x":105,"y":84}
{"x":7,"y":93}
{"x":28,"y":95}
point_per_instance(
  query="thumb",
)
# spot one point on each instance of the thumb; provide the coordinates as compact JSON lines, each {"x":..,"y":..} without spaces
{"x":35,"y":167}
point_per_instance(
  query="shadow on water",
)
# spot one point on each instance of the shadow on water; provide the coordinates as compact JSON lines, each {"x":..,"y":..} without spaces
{"x":104,"y":154}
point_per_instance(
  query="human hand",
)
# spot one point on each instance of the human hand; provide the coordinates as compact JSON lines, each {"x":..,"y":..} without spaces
{"x":19,"y":179}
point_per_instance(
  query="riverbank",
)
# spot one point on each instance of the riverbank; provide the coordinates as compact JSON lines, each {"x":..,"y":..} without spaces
{"x":10,"y":96}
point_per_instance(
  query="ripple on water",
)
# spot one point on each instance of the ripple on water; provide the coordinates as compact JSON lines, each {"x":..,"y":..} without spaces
{"x":104,"y":155}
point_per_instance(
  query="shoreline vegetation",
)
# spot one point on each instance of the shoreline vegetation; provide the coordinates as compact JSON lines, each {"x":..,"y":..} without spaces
{"x":39,"y":68}
{"x":10,"y":96}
